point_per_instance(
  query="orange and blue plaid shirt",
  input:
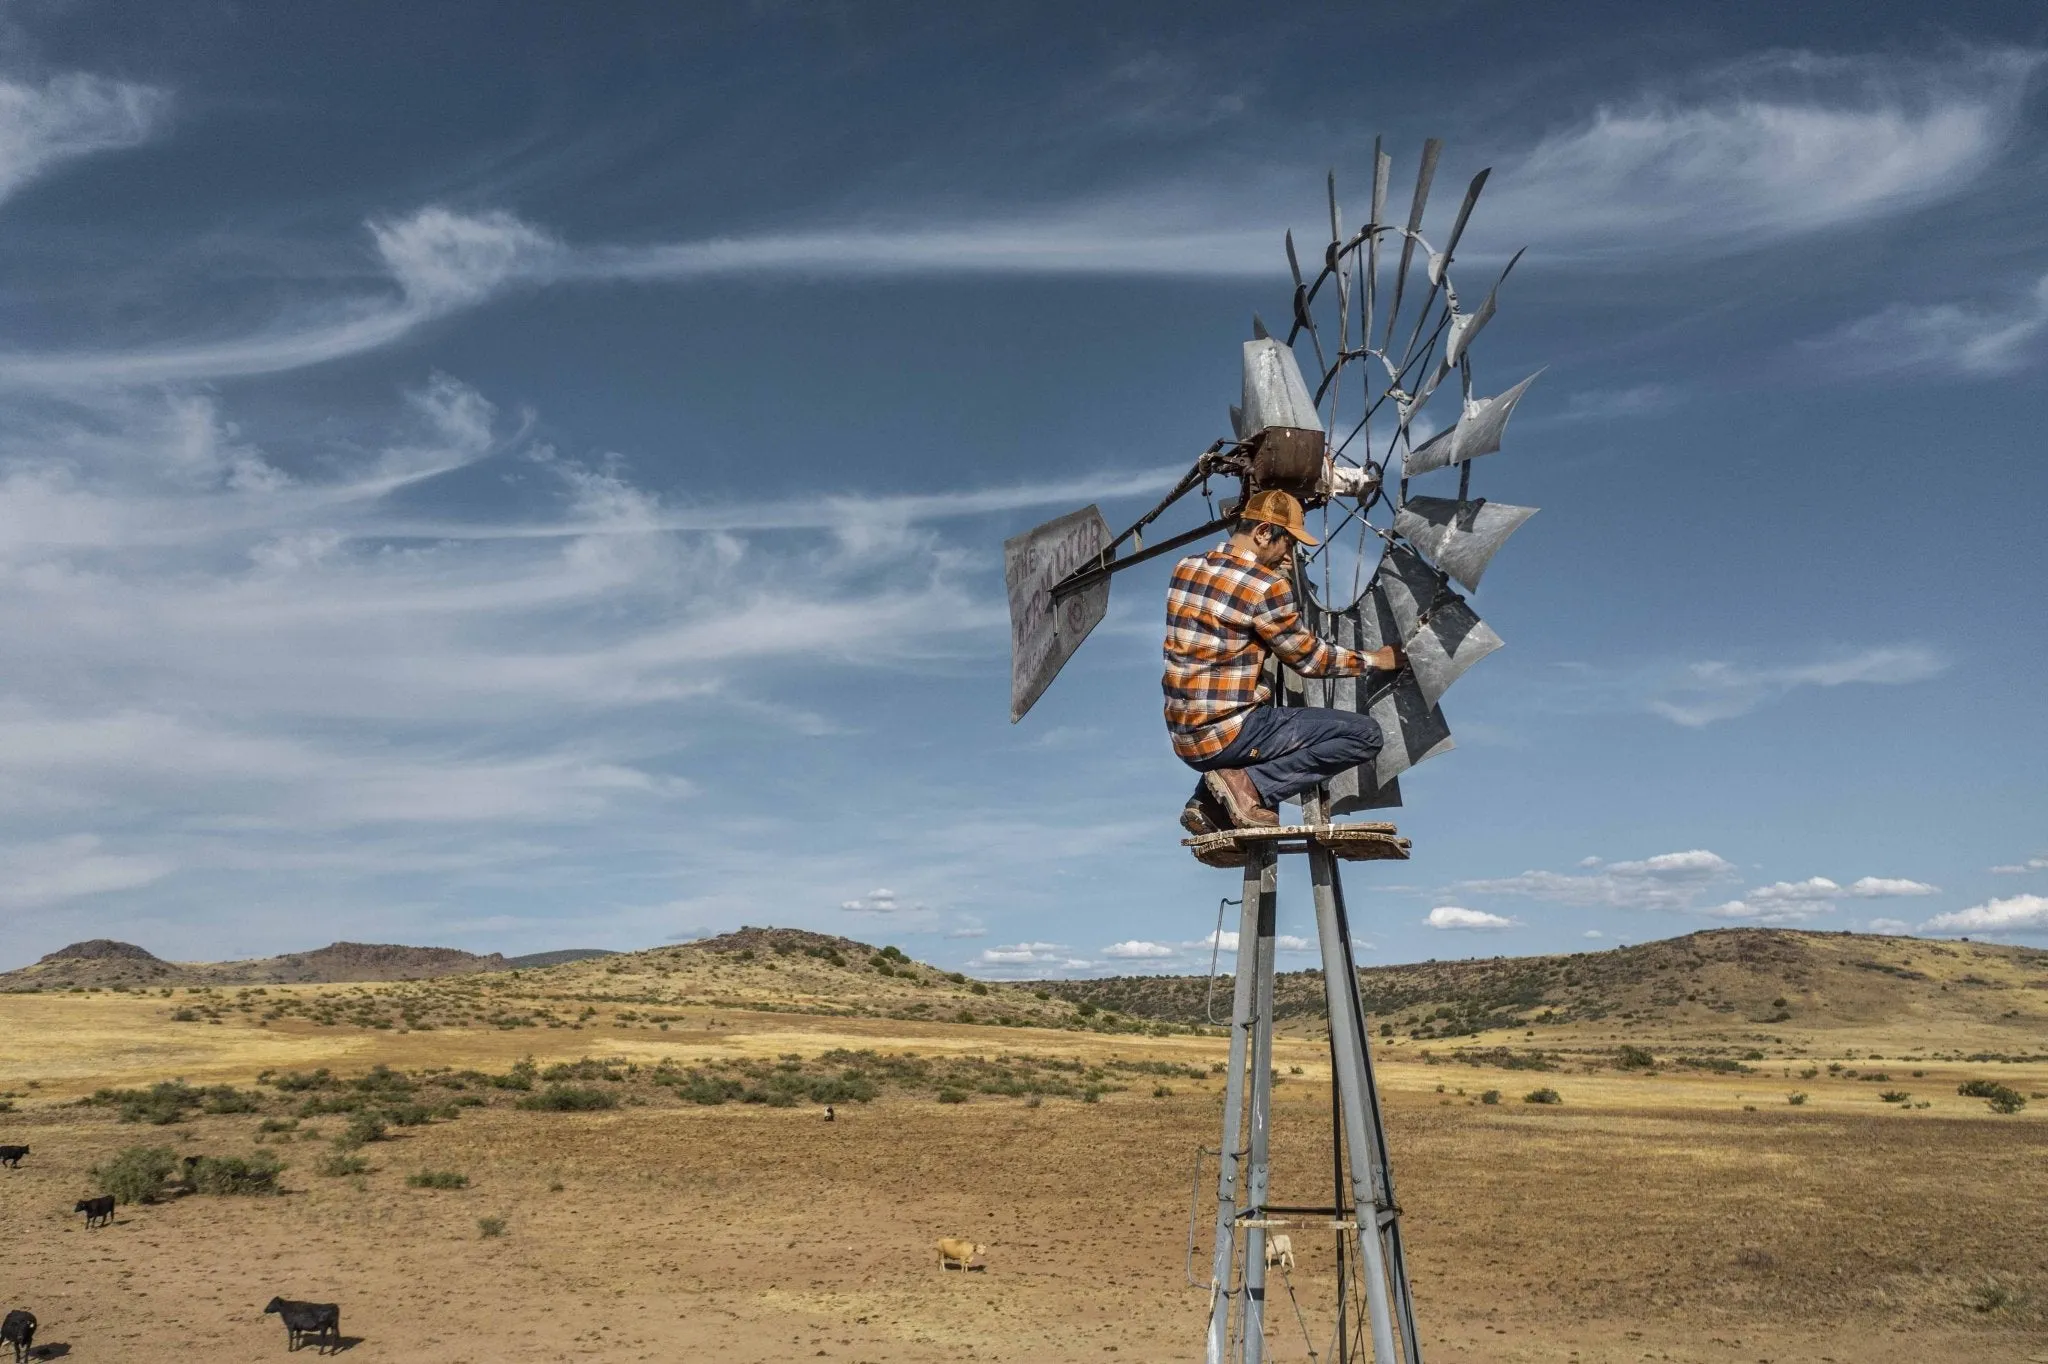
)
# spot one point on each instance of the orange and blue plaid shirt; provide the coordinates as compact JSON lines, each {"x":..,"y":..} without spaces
{"x":1224,"y":613}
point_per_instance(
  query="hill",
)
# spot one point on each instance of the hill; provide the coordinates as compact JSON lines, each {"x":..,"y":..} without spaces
{"x":562,"y":957}
{"x":1785,"y":980}
{"x":103,"y":963}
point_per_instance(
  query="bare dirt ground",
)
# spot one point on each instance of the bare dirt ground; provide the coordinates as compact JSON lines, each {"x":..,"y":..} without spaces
{"x":1668,"y":1217}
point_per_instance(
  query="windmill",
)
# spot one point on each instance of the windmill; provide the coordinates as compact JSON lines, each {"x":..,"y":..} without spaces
{"x":1360,"y":443}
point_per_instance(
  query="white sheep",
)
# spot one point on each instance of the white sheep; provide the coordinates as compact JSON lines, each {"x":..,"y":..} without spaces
{"x":1280,"y":1251}
{"x":955,"y":1252}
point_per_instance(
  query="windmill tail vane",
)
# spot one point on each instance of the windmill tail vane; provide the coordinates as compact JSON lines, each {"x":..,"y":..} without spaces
{"x":1351,"y":442}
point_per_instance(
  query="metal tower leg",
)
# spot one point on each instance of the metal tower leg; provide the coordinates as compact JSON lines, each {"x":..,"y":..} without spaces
{"x":1258,"y":889}
{"x":1260,"y":1065}
{"x":1388,"y":1304}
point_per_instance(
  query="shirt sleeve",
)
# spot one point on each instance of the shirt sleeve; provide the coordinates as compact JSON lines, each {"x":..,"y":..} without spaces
{"x":1278,"y":621}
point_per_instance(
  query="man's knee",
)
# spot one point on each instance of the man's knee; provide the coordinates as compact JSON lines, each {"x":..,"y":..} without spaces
{"x":1359,"y":737}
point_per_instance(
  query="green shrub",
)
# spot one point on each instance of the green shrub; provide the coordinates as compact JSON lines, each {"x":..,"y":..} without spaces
{"x":489,"y":1227}
{"x":235,"y":1175}
{"x":137,"y":1174}
{"x":1490,"y":1096}
{"x":407,"y":1115}
{"x":228,"y":1099}
{"x":1894,"y":1096}
{"x":437,"y":1179}
{"x":570,"y":1099}
{"x":2000,"y":1098}
{"x":952,"y":1096}
{"x":1796,"y":1099}
{"x":1542,"y":1096}
{"x":1085,"y":1009}
{"x":269,"y":1125}
{"x":339,"y":1164}
{"x":519,"y":1077}
{"x":361,"y":1129}
{"x":1634,"y":1058}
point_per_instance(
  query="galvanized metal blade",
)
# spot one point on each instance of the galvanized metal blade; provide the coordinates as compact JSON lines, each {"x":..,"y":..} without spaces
{"x":1460,"y":538}
{"x":1439,"y":631}
{"x":1466,"y":326}
{"x":1364,"y":625}
{"x":1431,"y":149}
{"x":1477,"y":432}
{"x":1439,"y":262}
{"x":1415,"y":730}
{"x":1382,"y":166}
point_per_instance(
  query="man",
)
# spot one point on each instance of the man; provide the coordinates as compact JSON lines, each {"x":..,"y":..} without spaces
{"x":1225,"y":611}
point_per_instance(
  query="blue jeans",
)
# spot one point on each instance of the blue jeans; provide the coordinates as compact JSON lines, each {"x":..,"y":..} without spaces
{"x":1285,"y":750}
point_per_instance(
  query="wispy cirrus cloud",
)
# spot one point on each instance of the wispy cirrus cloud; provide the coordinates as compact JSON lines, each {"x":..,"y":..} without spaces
{"x":1700,"y":694}
{"x":1778,"y":145}
{"x":2021,"y":868}
{"x":70,"y":116}
{"x":1983,"y":338}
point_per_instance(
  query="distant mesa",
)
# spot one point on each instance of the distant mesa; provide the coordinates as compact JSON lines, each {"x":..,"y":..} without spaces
{"x":103,"y":949}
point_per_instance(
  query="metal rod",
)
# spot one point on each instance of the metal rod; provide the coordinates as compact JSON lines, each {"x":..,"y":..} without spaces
{"x":1083,"y":578}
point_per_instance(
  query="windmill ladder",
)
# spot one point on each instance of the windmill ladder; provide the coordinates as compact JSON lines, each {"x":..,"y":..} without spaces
{"x":1363,"y":1178}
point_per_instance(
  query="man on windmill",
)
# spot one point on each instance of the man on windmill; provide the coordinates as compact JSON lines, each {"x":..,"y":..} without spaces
{"x":1226,"y":610}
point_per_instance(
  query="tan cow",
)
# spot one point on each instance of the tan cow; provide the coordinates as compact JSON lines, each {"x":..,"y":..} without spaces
{"x":1280,"y":1251}
{"x":955,"y":1252}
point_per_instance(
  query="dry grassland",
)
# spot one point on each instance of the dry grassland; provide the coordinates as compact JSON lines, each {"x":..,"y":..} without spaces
{"x":1674,"y":1215}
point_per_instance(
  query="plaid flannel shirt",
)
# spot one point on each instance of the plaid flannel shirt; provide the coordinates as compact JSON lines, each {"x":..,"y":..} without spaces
{"x":1224,"y":613}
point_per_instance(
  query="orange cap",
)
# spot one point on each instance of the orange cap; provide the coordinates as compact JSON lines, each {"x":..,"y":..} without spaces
{"x":1277,"y":508}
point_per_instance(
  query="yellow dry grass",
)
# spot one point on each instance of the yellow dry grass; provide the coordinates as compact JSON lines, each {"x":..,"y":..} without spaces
{"x":1673,"y":1215}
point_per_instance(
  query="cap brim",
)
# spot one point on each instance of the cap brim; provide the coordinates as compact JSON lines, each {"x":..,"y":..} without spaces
{"x":1300,"y":535}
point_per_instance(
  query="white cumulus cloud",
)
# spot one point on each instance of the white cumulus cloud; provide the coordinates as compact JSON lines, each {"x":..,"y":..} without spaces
{"x":1884,"y":887}
{"x":2022,"y":868}
{"x":1468,"y":920}
{"x":1135,"y":949}
{"x":2016,"y":914}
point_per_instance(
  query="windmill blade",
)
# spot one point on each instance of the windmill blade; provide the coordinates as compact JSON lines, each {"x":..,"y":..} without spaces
{"x":1302,"y":320}
{"x":1478,"y":432}
{"x":1044,"y":636}
{"x":1460,"y":538}
{"x":1364,"y":625}
{"x":1431,"y":149}
{"x":1414,"y":729}
{"x":1438,"y":630}
{"x":1438,"y":263}
{"x":1382,"y":166}
{"x":1466,"y":326}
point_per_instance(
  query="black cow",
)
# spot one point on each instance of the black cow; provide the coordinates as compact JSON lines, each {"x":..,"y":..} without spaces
{"x":319,"y":1322}
{"x":98,"y":1211}
{"x":11,"y":1155}
{"x":19,"y":1330}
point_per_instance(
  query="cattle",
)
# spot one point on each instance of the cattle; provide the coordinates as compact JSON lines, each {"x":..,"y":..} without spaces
{"x":98,"y":1211}
{"x":1280,"y":1251}
{"x":11,"y":1155}
{"x":828,"y":1116}
{"x":319,"y":1322}
{"x":955,"y":1252}
{"x":19,"y":1330}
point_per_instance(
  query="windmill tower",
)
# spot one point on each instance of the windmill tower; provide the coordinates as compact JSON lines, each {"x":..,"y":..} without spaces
{"x":1352,"y":445}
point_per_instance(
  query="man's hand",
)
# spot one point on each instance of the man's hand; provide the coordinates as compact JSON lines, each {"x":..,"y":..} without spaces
{"x":1386,"y":659}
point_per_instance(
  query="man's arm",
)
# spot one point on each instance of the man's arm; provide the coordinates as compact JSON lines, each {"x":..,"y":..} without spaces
{"x":1278,"y":621}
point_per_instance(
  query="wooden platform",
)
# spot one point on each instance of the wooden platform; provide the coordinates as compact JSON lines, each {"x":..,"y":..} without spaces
{"x":1351,"y":842}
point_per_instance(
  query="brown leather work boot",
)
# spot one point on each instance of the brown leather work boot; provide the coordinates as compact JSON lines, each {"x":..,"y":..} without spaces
{"x":1204,"y":814}
{"x":1240,"y":798}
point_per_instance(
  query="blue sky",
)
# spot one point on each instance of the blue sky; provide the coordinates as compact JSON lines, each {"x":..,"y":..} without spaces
{"x":470,"y":479}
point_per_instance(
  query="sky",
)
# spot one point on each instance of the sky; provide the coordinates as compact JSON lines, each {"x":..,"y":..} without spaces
{"x":474,"y":478}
